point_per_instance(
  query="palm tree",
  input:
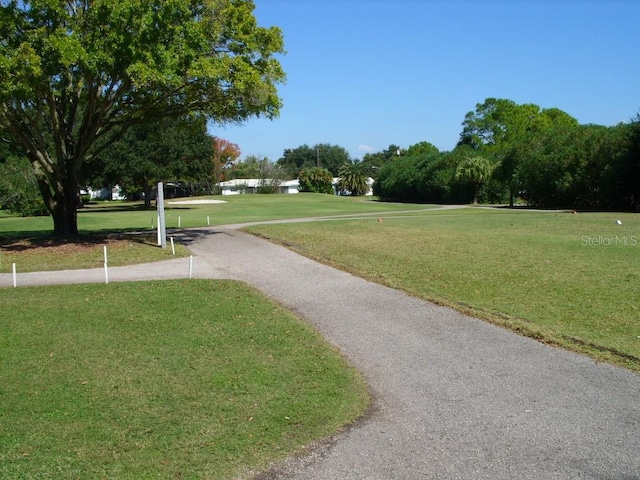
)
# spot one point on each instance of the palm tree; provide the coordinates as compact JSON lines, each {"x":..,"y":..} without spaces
{"x":475,"y":169}
{"x":353,"y":178}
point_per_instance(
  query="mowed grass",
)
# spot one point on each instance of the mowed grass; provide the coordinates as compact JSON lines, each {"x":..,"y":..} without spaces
{"x":184,"y":379}
{"x":131,"y":216}
{"x":570,"y":280}
{"x":128,"y":230}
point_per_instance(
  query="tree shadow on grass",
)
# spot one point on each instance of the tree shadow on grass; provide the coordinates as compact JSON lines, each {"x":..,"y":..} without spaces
{"x":21,"y":241}
{"x":126,"y":207}
{"x":18,"y":242}
{"x":189,"y":236}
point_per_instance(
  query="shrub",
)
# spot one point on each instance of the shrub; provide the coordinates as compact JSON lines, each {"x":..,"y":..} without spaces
{"x":316,"y":180}
{"x":19,"y":191}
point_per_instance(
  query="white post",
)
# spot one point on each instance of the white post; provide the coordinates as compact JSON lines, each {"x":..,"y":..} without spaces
{"x":179,"y":221}
{"x":190,"y":266}
{"x":162,"y":230}
{"x":106,"y":268}
{"x":15,"y":280}
{"x":173,"y":247}
{"x":208,"y":221}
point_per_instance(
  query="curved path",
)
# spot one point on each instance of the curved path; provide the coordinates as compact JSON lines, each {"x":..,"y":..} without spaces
{"x":453,"y":397}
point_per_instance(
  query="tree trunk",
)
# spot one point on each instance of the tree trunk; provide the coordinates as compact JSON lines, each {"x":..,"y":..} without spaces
{"x":61,"y":199}
{"x":65,"y":212}
{"x":147,"y":197}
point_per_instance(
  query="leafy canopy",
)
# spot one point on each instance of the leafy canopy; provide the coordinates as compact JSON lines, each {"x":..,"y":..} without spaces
{"x":72,"y":71}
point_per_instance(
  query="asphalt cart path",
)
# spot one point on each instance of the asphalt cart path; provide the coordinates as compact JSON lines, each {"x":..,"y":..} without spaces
{"x":453,"y":397}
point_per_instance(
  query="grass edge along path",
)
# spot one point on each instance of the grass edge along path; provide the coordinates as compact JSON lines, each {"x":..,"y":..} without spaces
{"x":87,"y":251}
{"x":566,"y":280}
{"x":172,"y":379}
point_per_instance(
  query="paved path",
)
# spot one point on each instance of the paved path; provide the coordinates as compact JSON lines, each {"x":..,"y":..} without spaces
{"x":454,"y":397}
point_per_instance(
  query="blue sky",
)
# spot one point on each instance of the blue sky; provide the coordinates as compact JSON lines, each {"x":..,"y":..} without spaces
{"x":365,"y":74}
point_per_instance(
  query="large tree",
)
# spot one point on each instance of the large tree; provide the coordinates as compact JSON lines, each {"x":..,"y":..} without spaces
{"x":75,"y":71}
{"x":503,"y":130}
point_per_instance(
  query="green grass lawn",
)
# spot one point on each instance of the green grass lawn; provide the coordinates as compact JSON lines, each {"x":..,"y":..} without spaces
{"x":570,"y":280}
{"x":178,"y":379}
{"x":128,"y":216}
{"x":102,"y":223}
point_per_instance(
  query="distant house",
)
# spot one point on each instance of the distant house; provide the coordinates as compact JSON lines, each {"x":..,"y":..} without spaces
{"x":251,"y":185}
{"x":114,"y":193}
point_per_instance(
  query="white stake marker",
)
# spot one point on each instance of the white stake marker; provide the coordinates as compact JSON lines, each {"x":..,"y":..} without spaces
{"x":173,"y":247}
{"x":190,"y":266}
{"x":15,"y":280}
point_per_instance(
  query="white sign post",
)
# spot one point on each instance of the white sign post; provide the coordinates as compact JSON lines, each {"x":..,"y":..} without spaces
{"x":162,"y":230}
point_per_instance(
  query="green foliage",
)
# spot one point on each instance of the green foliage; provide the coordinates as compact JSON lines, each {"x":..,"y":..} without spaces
{"x":501,"y":129}
{"x":498,"y":124}
{"x":375,"y":161}
{"x":74,"y":72}
{"x":429,"y":178}
{"x":316,"y":180}
{"x":353,"y":178}
{"x":419,"y":149}
{"x":475,"y":170}
{"x":19,"y":193}
{"x":587,"y":166}
{"x":249,"y":168}
{"x":622,"y":174}
{"x":170,"y":150}
{"x":395,"y":181}
{"x":330,"y":157}
{"x":271,"y":177}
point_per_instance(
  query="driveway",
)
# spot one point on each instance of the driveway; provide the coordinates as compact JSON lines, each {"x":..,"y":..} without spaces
{"x":453,"y":397}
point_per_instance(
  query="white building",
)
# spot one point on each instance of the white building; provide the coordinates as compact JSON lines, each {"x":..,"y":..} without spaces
{"x":251,"y":185}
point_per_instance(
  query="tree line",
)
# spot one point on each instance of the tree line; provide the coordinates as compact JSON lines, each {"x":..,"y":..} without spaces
{"x":509,"y":152}
{"x":87,"y":87}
